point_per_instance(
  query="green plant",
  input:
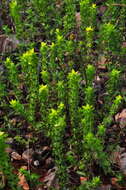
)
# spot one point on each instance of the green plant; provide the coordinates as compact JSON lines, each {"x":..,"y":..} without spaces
{"x":88,"y":14}
{"x":92,"y":184}
{"x":57,"y":128}
{"x":109,"y":39}
{"x":13,"y":77}
{"x":29,"y":70}
{"x":32,"y":178}
{"x":43,"y":99}
{"x":18,"y":107}
{"x":69,"y":18}
{"x":73,"y":100}
{"x":112,"y":86}
{"x":15,"y":13}
{"x":5,"y":168}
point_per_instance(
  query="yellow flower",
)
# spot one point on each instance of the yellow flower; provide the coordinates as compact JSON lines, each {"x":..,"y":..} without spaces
{"x":89,"y":29}
{"x":94,"y":5}
{"x":43,"y":44}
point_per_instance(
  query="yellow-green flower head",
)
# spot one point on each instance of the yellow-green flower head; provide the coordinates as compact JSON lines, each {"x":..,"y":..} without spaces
{"x":9,"y":62}
{"x":13,"y":102}
{"x":118,"y":99}
{"x":43,"y":44}
{"x":93,"y":5}
{"x":28,"y":53}
{"x":43,"y":88}
{"x":59,"y":38}
{"x":1,"y":133}
{"x":13,"y":4}
{"x":89,"y":29}
{"x":52,"y":45}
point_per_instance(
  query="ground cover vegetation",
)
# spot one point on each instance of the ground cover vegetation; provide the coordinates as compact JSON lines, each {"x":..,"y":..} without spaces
{"x":62,"y":94}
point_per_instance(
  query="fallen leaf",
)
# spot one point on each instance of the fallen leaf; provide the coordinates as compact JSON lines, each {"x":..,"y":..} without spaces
{"x":83,"y":179}
{"x":2,"y":180}
{"x":102,"y":9}
{"x":102,"y":62}
{"x":114,"y":182}
{"x":78,"y":19}
{"x":8,"y":43}
{"x":15,"y":156}
{"x":8,"y":150}
{"x":49,"y":178}
{"x":121,"y":118}
{"x":27,"y":155}
{"x":105,"y":187}
{"x":124,"y":45}
{"x":22,"y":182}
{"x":122,"y":163}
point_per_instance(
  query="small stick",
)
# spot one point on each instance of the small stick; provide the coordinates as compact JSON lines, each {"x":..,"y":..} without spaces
{"x":120,"y":5}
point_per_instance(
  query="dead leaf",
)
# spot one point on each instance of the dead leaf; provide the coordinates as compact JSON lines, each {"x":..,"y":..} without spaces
{"x":102,"y":62}
{"x":105,"y":187}
{"x":49,"y":178}
{"x":2,"y":180}
{"x":59,"y":3}
{"x":27,"y":155}
{"x":102,"y":9}
{"x":78,"y":19}
{"x":121,"y":118}
{"x":124,"y":45}
{"x":8,"y":43}
{"x":122,"y":163}
{"x":22,"y":182}
{"x":8,"y":150}
{"x":15,"y":156}
{"x":114,"y":182}
{"x":83,"y":179}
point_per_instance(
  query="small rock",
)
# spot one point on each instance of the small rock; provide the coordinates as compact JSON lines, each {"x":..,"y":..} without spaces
{"x":36,"y":163}
{"x":15,"y":156}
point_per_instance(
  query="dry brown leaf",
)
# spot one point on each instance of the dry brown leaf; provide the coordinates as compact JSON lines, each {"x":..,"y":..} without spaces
{"x":8,"y":43}
{"x":49,"y":178}
{"x":102,"y":9}
{"x":105,"y":187}
{"x":121,"y":118}
{"x":78,"y":19}
{"x":27,"y":154}
{"x":102,"y":62}
{"x":2,"y":180}
{"x":114,"y":182}
{"x":22,"y":182}
{"x":83,"y":179}
{"x":124,"y":45}
{"x":15,"y":156}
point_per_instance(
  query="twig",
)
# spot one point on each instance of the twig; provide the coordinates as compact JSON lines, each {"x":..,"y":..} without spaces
{"x":120,"y":5}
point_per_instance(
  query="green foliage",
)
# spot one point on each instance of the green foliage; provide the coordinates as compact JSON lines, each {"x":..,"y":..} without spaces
{"x":5,"y":168}
{"x":110,"y":39}
{"x":18,"y":107}
{"x":93,"y":184}
{"x":52,"y":82}
{"x":57,"y":128}
{"x":32,"y":178}
{"x":15,"y":13}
